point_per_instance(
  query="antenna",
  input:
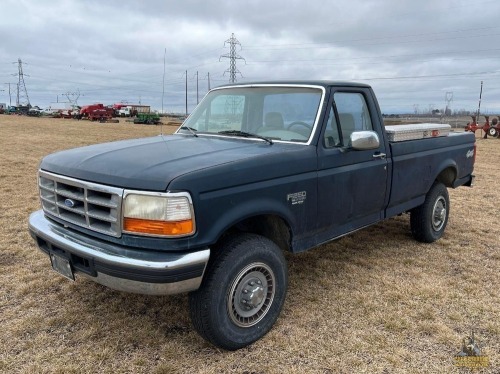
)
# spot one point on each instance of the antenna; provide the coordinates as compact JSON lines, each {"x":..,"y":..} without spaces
{"x":232,"y":56}
{"x":163,"y":90}
{"x":186,"y":92}
{"x":479,"y":106}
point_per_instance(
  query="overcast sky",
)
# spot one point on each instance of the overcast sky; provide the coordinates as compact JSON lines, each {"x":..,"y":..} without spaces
{"x":412,"y":52}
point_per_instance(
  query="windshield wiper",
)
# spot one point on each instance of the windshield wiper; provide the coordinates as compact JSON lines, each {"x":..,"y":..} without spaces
{"x":244,"y":134}
{"x":190,"y":129}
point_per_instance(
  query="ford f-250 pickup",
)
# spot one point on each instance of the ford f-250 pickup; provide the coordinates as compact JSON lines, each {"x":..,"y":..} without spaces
{"x":255,"y":170}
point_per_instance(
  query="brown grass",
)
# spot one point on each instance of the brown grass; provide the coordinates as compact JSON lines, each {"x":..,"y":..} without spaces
{"x":375,"y":301}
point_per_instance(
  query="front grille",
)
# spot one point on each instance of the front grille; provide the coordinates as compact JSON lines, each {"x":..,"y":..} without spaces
{"x":93,"y":206}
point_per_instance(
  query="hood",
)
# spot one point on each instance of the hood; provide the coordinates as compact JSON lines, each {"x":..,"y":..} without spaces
{"x":151,"y":163}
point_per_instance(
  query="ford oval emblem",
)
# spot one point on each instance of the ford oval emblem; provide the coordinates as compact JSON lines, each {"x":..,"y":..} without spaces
{"x":69,"y":203}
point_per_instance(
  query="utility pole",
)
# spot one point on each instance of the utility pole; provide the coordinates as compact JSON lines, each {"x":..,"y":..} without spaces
{"x":208,"y":75}
{"x":22,"y":93}
{"x":186,"y":92}
{"x":10,"y":97}
{"x":232,"y":56}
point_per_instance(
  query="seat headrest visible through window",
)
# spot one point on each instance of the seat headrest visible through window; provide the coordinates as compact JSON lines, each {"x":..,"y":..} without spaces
{"x":274,"y":120}
{"x":347,"y":125}
{"x":347,"y":121}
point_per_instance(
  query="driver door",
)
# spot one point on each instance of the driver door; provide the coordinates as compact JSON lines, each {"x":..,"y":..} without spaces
{"x":352,"y":184}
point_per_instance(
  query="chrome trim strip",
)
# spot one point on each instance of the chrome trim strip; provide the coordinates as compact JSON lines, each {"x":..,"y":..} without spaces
{"x":87,"y":198}
{"x":121,"y":257}
{"x":316,"y":121}
{"x":127,"y":285}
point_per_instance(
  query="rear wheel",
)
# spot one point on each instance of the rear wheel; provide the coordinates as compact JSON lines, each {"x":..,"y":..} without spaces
{"x":429,"y":220}
{"x":242,"y":293}
{"x":492,"y":132}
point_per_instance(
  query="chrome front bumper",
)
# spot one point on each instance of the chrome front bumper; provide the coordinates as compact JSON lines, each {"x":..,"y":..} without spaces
{"x":121,"y":268}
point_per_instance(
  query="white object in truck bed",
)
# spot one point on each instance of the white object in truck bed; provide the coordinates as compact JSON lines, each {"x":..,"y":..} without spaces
{"x":416,"y":131}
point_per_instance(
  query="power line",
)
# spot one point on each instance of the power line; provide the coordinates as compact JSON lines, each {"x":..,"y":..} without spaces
{"x":390,"y":37}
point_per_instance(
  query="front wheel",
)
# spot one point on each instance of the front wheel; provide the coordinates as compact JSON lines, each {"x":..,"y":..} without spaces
{"x":242,"y":293}
{"x":429,"y":220}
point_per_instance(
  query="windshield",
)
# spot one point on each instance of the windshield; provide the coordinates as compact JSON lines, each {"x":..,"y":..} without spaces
{"x":277,"y":113}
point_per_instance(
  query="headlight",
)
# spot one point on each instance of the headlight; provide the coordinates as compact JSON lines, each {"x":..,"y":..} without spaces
{"x":158,"y":214}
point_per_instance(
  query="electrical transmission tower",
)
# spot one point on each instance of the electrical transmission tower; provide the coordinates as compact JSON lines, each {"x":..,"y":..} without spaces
{"x":73,"y":97}
{"x":232,"y":56}
{"x":22,"y":93}
{"x":448,"y":98}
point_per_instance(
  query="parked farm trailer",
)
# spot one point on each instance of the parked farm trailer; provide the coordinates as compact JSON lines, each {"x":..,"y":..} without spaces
{"x":147,"y":118}
{"x":101,"y":115}
{"x":96,"y":112}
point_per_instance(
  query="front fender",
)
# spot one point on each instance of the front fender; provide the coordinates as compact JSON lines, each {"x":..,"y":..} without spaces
{"x":238,"y":212}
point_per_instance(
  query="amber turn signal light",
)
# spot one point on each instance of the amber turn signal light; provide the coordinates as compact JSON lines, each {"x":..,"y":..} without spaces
{"x":153,"y":227}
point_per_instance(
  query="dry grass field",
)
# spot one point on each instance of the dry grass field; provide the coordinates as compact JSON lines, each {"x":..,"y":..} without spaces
{"x":373,"y":302}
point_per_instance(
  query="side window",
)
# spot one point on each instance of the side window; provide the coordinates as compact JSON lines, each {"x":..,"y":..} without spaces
{"x":353,"y":114}
{"x":332,"y":138}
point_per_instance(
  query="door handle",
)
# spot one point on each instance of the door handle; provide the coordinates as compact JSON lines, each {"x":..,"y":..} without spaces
{"x":379,"y":155}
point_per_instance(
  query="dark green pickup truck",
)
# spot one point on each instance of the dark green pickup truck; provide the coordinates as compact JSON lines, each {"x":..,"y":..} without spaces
{"x":255,"y":170}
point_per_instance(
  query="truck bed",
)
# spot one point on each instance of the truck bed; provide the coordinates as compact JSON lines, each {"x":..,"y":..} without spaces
{"x":417,"y":163}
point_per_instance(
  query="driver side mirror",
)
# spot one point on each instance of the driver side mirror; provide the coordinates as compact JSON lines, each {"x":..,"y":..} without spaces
{"x":364,"y":140}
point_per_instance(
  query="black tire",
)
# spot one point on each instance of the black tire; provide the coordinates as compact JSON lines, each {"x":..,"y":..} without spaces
{"x":242,"y":292}
{"x":492,"y":132}
{"x":429,"y":220}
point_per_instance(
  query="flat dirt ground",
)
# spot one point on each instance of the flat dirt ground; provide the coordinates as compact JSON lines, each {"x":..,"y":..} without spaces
{"x":375,"y":301}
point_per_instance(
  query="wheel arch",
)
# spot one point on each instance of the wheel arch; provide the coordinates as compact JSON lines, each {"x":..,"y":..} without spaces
{"x":448,"y":174}
{"x":272,"y":226}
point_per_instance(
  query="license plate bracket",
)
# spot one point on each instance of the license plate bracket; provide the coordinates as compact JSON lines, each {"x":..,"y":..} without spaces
{"x":62,"y":265}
